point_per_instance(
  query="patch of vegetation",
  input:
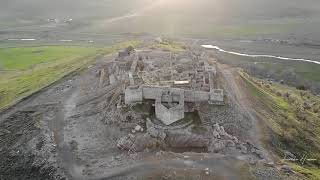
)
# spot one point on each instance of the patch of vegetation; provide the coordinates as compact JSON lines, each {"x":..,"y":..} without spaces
{"x":311,"y":173}
{"x":26,"y":58}
{"x":293,"y":73}
{"x":292,"y":118}
{"x":27,"y":70}
{"x":168,"y":45}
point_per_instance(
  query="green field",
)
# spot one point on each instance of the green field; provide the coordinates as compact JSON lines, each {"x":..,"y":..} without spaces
{"x":24,"y":71}
{"x":293,"y":73}
{"x":29,"y":57}
{"x":291,"y":121}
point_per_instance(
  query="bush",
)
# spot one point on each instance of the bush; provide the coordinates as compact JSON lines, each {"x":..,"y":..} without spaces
{"x":302,"y":87}
{"x":286,"y":95}
{"x":278,"y":93}
{"x":306,"y":105}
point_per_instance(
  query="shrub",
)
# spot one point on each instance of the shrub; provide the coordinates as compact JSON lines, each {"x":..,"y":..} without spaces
{"x":302,"y":87}
{"x":278,"y":93}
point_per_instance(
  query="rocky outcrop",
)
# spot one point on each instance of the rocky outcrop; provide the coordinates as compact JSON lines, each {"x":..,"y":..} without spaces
{"x":221,"y":139}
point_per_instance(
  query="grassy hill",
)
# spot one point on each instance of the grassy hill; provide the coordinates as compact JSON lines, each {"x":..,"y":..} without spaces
{"x":293,"y":73}
{"x":291,"y":121}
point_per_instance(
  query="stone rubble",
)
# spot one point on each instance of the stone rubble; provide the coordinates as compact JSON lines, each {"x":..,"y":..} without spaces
{"x":155,"y":138}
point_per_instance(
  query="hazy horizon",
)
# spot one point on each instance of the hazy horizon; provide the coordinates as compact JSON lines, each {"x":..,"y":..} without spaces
{"x":177,"y":17}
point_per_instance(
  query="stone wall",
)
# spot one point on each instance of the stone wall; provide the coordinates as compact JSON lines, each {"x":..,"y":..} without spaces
{"x":169,"y":116}
{"x":133,"y":95}
{"x":216,"y":96}
{"x":152,"y":92}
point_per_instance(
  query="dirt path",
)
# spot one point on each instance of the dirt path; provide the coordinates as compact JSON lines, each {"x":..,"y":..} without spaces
{"x":239,"y":95}
{"x":67,"y":158}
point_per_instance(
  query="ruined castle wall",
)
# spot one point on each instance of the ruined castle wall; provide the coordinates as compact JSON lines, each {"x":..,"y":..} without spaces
{"x":196,"y":96}
{"x":133,"y":95}
{"x":201,"y":96}
{"x":216,"y":95}
{"x":151,"y":92}
{"x":189,"y":96}
{"x":169,"y":116}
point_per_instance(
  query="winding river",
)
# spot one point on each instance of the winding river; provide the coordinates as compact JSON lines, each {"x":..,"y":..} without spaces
{"x":254,"y":55}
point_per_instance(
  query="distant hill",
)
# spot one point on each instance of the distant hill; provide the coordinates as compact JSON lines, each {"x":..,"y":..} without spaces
{"x":176,"y":17}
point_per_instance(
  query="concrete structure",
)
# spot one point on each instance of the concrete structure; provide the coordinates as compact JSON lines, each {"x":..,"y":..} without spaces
{"x":174,"y":97}
{"x":175,"y":83}
{"x":169,"y":105}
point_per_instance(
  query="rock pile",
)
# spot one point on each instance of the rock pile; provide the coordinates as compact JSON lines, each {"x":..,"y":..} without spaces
{"x":138,"y":143}
{"x":221,"y":139}
{"x":217,"y":141}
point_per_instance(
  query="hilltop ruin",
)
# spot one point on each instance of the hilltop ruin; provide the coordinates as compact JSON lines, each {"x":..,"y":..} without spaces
{"x":174,"y":83}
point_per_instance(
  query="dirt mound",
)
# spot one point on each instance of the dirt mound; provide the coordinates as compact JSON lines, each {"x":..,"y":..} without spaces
{"x":26,"y":152}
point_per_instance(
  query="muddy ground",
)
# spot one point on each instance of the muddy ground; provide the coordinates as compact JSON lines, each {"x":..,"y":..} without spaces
{"x":70,"y":131}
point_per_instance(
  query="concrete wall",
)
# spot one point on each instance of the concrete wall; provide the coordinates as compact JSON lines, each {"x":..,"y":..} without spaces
{"x":196,"y":96}
{"x":169,"y":116}
{"x":173,"y":114}
{"x":133,"y":95}
{"x":152,"y":92}
{"x":216,"y":95}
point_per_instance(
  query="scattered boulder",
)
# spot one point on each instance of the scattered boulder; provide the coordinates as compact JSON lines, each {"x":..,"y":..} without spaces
{"x":258,"y":153}
{"x":278,"y":93}
{"x":252,"y":161}
{"x":235,"y":140}
{"x":125,"y":143}
{"x":307,"y":105}
{"x":138,"y":128}
{"x":217,"y":146}
{"x":286,"y":95}
{"x":269,"y":164}
{"x":138,"y":143}
{"x":144,"y":141}
{"x":230,"y":143}
{"x":288,"y":154}
{"x":301,"y":115}
{"x":156,"y":133}
{"x":286,"y":169}
{"x":215,"y":134}
{"x":243,"y":149}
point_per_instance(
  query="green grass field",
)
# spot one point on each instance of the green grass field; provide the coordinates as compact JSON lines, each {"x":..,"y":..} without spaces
{"x":26,"y":58}
{"x":24,"y":71}
{"x":290,"y":125}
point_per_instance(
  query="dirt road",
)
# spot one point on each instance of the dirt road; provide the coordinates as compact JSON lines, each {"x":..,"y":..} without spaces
{"x":239,"y":95}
